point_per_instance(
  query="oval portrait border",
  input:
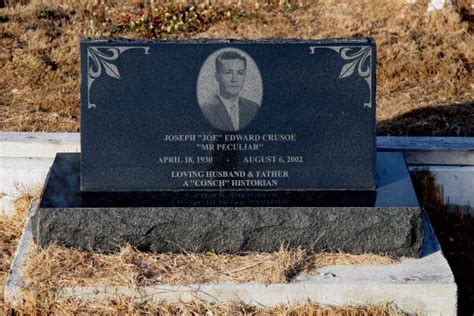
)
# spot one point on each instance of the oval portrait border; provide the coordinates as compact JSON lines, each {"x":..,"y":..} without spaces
{"x":207,"y":87}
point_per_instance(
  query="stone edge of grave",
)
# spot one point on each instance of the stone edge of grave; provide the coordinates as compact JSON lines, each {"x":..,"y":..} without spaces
{"x":425,"y":285}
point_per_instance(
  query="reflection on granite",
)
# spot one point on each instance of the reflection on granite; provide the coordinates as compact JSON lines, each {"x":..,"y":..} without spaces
{"x":387,"y":221}
{"x":63,"y":190}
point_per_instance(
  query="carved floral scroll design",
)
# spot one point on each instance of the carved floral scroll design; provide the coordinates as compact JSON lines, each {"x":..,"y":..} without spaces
{"x":100,"y":61}
{"x":357,"y":60}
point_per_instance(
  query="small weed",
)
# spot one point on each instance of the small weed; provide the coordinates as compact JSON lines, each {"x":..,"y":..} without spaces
{"x":3,"y":18}
{"x":167,"y":21}
{"x":45,"y":12}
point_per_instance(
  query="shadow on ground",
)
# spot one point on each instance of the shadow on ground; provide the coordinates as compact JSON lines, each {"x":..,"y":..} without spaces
{"x":454,"y":228}
{"x":444,"y":120}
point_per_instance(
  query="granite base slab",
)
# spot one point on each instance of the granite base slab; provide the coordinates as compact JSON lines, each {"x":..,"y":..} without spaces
{"x":391,"y":223}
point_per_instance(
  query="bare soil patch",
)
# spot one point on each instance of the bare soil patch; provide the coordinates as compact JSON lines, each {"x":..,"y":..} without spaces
{"x":425,"y":59}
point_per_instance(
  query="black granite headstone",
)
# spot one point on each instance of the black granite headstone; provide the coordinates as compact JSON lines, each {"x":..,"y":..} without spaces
{"x":214,"y":115}
{"x":229,"y":146}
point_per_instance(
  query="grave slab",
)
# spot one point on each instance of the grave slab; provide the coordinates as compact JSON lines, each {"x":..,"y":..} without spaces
{"x":422,"y":285}
{"x":389,"y":222}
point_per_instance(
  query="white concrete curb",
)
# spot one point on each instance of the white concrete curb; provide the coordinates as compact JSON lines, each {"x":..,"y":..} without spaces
{"x":37,"y":145}
{"x":14,"y":291}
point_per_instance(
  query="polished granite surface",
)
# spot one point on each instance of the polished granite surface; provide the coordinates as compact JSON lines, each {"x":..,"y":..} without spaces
{"x":62,"y":190}
{"x":151,"y":113}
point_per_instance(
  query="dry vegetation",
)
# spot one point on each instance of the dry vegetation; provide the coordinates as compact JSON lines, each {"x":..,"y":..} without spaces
{"x":10,"y":231}
{"x":68,"y":267}
{"x":57,"y":267}
{"x":61,"y":268}
{"x":425,"y":87}
{"x":126,"y":307}
{"x":425,"y":59}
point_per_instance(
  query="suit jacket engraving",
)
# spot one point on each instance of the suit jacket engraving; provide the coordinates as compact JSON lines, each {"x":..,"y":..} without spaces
{"x":217,"y":115}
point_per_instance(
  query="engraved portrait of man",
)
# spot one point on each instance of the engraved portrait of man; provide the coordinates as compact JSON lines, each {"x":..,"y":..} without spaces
{"x":227,"y":109}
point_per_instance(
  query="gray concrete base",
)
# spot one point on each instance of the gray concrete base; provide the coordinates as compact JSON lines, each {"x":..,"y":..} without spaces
{"x":423,"y":286}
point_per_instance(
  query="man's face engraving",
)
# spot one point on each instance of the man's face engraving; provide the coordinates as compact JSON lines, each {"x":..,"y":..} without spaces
{"x":231,"y":77}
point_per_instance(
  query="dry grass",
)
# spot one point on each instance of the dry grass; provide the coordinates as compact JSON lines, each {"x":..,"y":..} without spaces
{"x":10,"y":232}
{"x":432,"y":121}
{"x":425,"y":60}
{"x":62,"y":267}
{"x":57,"y":267}
{"x":122,"y":306}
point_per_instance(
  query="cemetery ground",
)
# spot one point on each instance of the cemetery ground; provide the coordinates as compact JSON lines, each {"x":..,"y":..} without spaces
{"x":58,"y":267}
{"x":424,"y":72}
{"x":425,"y":87}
